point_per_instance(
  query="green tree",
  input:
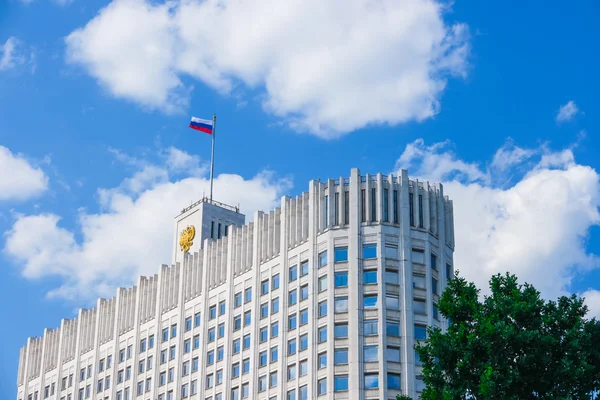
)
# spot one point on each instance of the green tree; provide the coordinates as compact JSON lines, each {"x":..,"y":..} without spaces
{"x":511,"y":345}
{"x":403,"y":397}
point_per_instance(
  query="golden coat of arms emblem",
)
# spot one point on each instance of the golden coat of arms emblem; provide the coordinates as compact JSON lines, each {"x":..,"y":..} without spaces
{"x":186,"y":238}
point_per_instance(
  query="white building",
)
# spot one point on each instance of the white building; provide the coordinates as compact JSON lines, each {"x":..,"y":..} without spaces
{"x":322,"y":297}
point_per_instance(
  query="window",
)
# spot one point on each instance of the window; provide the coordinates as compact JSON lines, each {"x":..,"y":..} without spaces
{"x":292,"y":322}
{"x":264,"y":334}
{"x":264,"y":287}
{"x":340,"y":254}
{"x":293,"y":273}
{"x":246,"y":366}
{"x":341,"y":304}
{"x":435,"y":312}
{"x":212,"y":229}
{"x":274,"y":354}
{"x":322,"y":308}
{"x":122,"y":352}
{"x":275,"y":305}
{"x":262,"y":383}
{"x":420,"y":332}
{"x":322,"y":387}
{"x":386,"y":205}
{"x":237,"y":300}
{"x":363,"y":205}
{"x":304,"y":316}
{"x":391,"y":276}
{"x":370,"y":301}
{"x":142,"y":349}
{"x":346,"y":207}
{"x":195,"y":364}
{"x":420,"y":211}
{"x":449,"y":275}
{"x":303,"y":292}
{"x":371,"y":353}
{"x":370,"y":277}
{"x":371,"y":381}
{"x":291,"y":372}
{"x":392,"y":328}
{"x":162,"y":379}
{"x":419,"y":384}
{"x":235,"y":370}
{"x":274,"y":329}
{"x":165,"y":337}
{"x":187,"y":346}
{"x":293,"y":297}
{"x":141,"y":366}
{"x":210,"y":357}
{"x":188,"y":326}
{"x":273,"y":379}
{"x":263,"y":360}
{"x":411,"y":208}
{"x":197,"y":319}
{"x":341,"y":279}
{"x":434,"y":286}
{"x":222,"y":307}
{"x":220,"y":353}
{"x":418,"y":358}
{"x":370,"y":251}
{"x":275,"y":282}
{"x":248,"y":295}
{"x":395,"y":205}
{"x":393,"y":381}
{"x":322,"y":259}
{"x":322,"y":360}
{"x":340,"y":356}
{"x":340,"y":331}
{"x":303,"y":342}
{"x":236,"y":346}
{"x":212,"y":312}
{"x":291,"y":394}
{"x":373,"y":205}
{"x":323,"y":283}
{"x":221,"y":329}
{"x":291,"y":346}
{"x":246,"y":342}
{"x":419,"y":306}
{"x":185,"y":368}
{"x":210,"y":381}
{"x":326,"y":211}
{"x":237,"y":322}
{"x":184,"y":390}
{"x":211,"y":335}
{"x":163,"y":356}
{"x":303,"y":368}
{"x":340,"y":383}
{"x":197,"y":342}
{"x":235,"y":394}
{"x":304,"y":268}
{"x":370,"y":327}
{"x":173,"y":330}
{"x":433,"y":262}
{"x":391,"y":251}
{"x":393,"y":354}
{"x":323,"y":334}
{"x":194,"y":386}
{"x":392,"y":302}
{"x":419,"y":282}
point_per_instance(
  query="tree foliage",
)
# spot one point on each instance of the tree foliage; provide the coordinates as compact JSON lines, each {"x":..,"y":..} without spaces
{"x":511,"y":345}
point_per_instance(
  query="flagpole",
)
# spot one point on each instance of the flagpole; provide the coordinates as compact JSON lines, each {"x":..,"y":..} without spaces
{"x":212,"y":155}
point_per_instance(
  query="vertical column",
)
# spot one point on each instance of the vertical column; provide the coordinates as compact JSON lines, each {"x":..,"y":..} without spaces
{"x":355,"y":290}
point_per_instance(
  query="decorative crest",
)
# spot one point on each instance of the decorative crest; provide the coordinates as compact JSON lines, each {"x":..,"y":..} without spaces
{"x":186,"y":238}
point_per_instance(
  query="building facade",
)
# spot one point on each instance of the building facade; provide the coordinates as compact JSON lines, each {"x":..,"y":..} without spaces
{"x":323,"y":297}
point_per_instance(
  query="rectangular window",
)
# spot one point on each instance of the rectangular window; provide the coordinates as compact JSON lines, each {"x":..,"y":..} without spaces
{"x":340,"y":383}
{"x":370,"y":301}
{"x":392,"y":328}
{"x":248,"y":295}
{"x":264,"y":287}
{"x":346,"y":207}
{"x":264,"y":310}
{"x":370,"y":277}
{"x":341,"y":304}
{"x":434,"y":286}
{"x":246,"y":342}
{"x":273,"y":379}
{"x":340,"y":254}
{"x":322,"y":259}
{"x":340,"y":356}
{"x":322,"y":334}
{"x":420,"y":332}
{"x":418,"y":256}
{"x":237,"y":322}
{"x":340,"y":331}
{"x":275,"y":305}
{"x":292,"y":322}
{"x":304,"y":268}
{"x":221,"y":329}
{"x":419,"y":282}
{"x":291,"y":372}
{"x":411,"y":208}
{"x":435,"y":312}
{"x":392,"y":277}
{"x":247,"y":318}
{"x":196,"y":341}
{"x":275,"y":282}
{"x":293,"y":274}
{"x":393,"y":381}
{"x":197,"y":319}
{"x":219,"y":231}
{"x":274,"y":329}
{"x":188,"y":327}
{"x":262,"y":359}
{"x":237,"y":300}
{"x":370,"y":251}
{"x":420,"y":211}
{"x":386,"y":216}
{"x":371,"y":381}
{"x":393,"y":354}
{"x":235,"y":370}
{"x":323,"y":283}
{"x":211,"y":335}
{"x":212,"y":312}
{"x":395,"y":205}
{"x":293,"y":297}
{"x":304,"y":317}
{"x":292,"y":347}
{"x":303,"y":342}
{"x":373,"y":205}
{"x":336,"y":209}
{"x":220,"y":353}
{"x":392,"y":302}
{"x":222,"y":307}
{"x":322,"y":360}
{"x":212,"y":229}
{"x":341,"y":279}
{"x":363,"y":206}
{"x":449,"y":272}
{"x":303,"y":292}
{"x":433,"y":262}
{"x":274,"y":354}
{"x":419,"y":306}
{"x":370,"y":327}
{"x":323,"y":308}
{"x":371,"y":353}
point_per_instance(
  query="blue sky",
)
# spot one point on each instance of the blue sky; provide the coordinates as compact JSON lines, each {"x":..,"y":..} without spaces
{"x":495,"y":100}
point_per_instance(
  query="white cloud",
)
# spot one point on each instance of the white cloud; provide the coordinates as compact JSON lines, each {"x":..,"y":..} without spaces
{"x":10,"y":57}
{"x":131,"y":235}
{"x":324,"y":67}
{"x":19,"y":179}
{"x":536,"y":228}
{"x":567,"y":112}
{"x":592,"y":300}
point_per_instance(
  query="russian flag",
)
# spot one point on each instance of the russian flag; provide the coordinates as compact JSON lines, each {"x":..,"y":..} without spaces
{"x":202,"y":125}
